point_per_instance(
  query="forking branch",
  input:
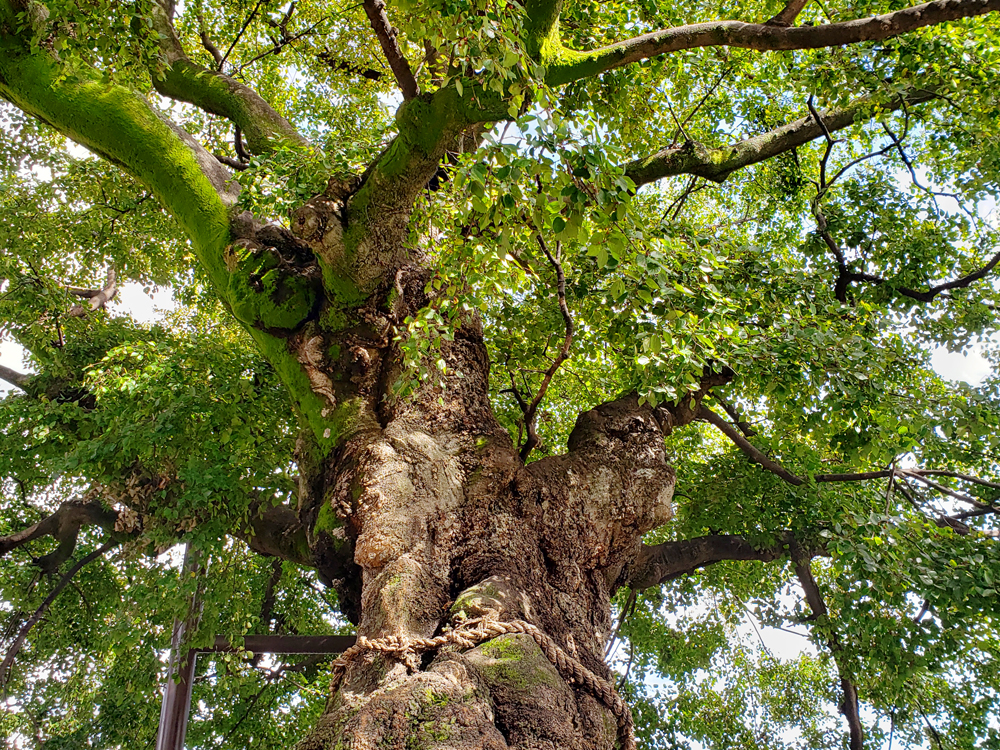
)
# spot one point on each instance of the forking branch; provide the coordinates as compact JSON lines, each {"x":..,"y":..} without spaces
{"x":922,"y":475}
{"x":531,"y":410}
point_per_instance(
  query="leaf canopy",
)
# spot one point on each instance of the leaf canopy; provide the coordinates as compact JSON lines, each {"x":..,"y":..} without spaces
{"x":803,"y":274}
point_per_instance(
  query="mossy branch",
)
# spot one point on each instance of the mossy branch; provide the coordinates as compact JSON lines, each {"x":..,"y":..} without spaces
{"x":565,"y":66}
{"x":717,"y":164}
{"x":121,"y":126}
{"x":217,"y":93}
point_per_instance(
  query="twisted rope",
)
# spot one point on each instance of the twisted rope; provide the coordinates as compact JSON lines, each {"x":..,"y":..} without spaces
{"x":477,"y":631}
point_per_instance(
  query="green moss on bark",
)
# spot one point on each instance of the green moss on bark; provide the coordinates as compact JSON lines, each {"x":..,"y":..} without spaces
{"x":120,"y":125}
{"x":263,"y":128}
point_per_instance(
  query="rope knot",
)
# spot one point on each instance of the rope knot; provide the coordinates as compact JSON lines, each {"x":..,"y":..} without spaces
{"x":473,"y":632}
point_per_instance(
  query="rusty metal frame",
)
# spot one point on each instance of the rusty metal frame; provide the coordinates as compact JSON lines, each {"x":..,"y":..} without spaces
{"x":176,"y":706}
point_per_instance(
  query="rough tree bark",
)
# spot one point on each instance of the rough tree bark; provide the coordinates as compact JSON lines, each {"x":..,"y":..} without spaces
{"x":420,"y":510}
{"x":441,"y":521}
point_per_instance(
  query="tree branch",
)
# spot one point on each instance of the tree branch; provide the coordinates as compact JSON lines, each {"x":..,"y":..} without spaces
{"x":754,"y":454}
{"x":788,"y":14}
{"x":567,"y":65}
{"x":99,"y":298}
{"x":120,"y":125}
{"x":375,"y":10}
{"x":814,"y":598}
{"x":232,"y":163}
{"x":43,"y":608}
{"x":717,"y":164}
{"x":747,"y":447}
{"x":276,"y":532}
{"x":531,"y":411}
{"x":217,"y":93}
{"x":340,"y":64}
{"x":664,"y":562}
{"x":64,"y":526}
{"x":13,"y":377}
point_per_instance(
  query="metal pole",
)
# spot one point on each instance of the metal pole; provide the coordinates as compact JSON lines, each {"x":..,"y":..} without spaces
{"x":180,"y":673}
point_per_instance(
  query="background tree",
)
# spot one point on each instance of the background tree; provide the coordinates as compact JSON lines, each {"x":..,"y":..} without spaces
{"x":413,"y":258}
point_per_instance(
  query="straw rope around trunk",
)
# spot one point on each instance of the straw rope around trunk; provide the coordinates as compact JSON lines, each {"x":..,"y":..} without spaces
{"x":474,"y":632}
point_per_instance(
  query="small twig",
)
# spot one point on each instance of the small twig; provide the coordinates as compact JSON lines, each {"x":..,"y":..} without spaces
{"x":284,"y":43}
{"x":711,"y":90}
{"x":240,"y":34}
{"x":43,"y":608}
{"x":626,"y":611}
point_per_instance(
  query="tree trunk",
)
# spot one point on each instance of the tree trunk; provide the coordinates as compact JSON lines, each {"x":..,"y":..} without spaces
{"x":446,"y":526}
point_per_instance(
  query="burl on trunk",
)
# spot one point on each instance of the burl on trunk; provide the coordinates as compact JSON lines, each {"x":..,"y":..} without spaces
{"x":481,"y":586}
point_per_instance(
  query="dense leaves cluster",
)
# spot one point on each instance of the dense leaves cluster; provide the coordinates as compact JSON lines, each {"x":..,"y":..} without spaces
{"x":183,"y":427}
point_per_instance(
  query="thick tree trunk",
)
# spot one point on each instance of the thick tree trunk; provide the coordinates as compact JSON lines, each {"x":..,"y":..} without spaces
{"x":447,"y":526}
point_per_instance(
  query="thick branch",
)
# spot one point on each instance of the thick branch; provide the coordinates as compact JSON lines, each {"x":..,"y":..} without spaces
{"x":571,"y":66}
{"x":277,"y":532}
{"x":13,"y":377}
{"x":428,"y":127}
{"x":15,"y":647}
{"x":663,"y":562}
{"x":123,"y":127}
{"x":541,"y":26}
{"x":815,"y":600}
{"x":718,"y":163}
{"x":375,"y":10}
{"x":98,"y":298}
{"x":218,"y":94}
{"x":64,"y":526}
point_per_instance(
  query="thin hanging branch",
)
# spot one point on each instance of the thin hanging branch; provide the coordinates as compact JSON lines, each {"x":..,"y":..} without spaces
{"x":43,"y":608}
{"x":531,"y":412}
{"x":849,"y":707}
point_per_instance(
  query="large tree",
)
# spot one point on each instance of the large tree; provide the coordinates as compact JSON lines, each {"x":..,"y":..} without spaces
{"x":464,"y":290}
